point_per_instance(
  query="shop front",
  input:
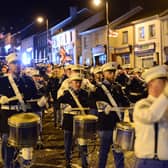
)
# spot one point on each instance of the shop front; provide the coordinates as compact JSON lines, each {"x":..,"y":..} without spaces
{"x":99,"y":55}
{"x":122,"y":55}
{"x":146,"y":55}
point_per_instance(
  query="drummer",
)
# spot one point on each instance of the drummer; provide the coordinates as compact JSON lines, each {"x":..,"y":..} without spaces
{"x":108,"y":96}
{"x":15,"y":89}
{"x":151,"y":121}
{"x":74,"y":97}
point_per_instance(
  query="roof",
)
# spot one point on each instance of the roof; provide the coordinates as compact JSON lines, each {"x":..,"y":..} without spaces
{"x":144,"y":15}
{"x":72,"y":21}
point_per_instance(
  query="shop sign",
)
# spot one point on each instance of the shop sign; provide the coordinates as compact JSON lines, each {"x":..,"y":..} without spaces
{"x":122,"y":50}
{"x":144,"y":49}
{"x":99,"y":50}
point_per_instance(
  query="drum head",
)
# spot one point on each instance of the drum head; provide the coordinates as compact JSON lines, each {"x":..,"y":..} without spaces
{"x":23,"y":118}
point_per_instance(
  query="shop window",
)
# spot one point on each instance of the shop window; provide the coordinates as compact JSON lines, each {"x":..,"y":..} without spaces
{"x":125,"y":37}
{"x":85,"y":43}
{"x":141,"y":33}
{"x":126,"y":58}
{"x":70,"y":36}
{"x":100,"y":60}
{"x":147,"y":62}
{"x":152,"y":31}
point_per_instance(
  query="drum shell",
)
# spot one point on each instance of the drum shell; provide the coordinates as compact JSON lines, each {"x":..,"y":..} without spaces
{"x":24,"y":134}
{"x":85,"y":126}
{"x":124,"y":135}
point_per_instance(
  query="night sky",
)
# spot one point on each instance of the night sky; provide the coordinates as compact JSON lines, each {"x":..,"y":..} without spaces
{"x":16,"y":14}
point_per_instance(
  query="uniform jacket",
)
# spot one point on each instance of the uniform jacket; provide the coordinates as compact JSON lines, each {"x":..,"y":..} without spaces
{"x":67,"y":98}
{"x":26,"y":87}
{"x":147,"y":112}
{"x":108,"y":122}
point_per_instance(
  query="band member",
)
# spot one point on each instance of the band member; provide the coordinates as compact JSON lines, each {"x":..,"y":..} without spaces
{"x":108,"y":97}
{"x":73,"y":97}
{"x":151,"y":121}
{"x":15,"y":90}
{"x":86,"y":84}
{"x":98,"y":75}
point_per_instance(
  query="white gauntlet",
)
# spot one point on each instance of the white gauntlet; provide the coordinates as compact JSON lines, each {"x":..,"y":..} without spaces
{"x":43,"y":101}
{"x":4,"y":100}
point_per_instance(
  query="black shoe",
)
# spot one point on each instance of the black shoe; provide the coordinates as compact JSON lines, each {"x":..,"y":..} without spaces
{"x":68,"y":164}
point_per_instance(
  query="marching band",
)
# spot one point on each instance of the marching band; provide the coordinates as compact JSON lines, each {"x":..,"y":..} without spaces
{"x":104,"y":93}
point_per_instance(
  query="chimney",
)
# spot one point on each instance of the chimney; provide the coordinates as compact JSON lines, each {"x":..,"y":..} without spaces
{"x":73,"y":11}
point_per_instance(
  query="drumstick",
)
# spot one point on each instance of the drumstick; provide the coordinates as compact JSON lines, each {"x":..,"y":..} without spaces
{"x":12,"y":98}
{"x":32,"y":100}
{"x":80,"y":108}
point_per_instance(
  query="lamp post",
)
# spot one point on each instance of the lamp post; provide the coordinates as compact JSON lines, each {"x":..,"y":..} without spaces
{"x":42,"y":20}
{"x":97,"y":3}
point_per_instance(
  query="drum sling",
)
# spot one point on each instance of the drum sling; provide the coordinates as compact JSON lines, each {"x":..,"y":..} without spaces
{"x":76,"y":100}
{"x":111,"y":99}
{"x":17,"y":92}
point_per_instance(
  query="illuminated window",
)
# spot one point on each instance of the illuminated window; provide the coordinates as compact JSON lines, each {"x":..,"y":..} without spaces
{"x":125,"y":37}
{"x":141,"y":32}
{"x":152,"y":31}
{"x":166,"y":27}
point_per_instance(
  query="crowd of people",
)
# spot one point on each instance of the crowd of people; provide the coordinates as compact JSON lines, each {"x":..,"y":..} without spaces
{"x":102,"y":90}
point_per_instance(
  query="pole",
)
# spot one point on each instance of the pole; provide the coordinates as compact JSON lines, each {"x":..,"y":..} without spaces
{"x":47,"y":52}
{"x":107,"y":30}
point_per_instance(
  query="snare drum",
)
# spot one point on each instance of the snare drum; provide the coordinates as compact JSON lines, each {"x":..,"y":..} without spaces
{"x":23,"y":129}
{"x":85,"y":126}
{"x":124,"y":135}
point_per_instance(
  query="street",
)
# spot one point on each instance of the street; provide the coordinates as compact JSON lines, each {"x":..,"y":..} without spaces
{"x":51,"y":154}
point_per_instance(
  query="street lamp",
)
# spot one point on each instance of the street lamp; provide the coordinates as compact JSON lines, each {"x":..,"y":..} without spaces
{"x":98,"y":3}
{"x":41,"y":19}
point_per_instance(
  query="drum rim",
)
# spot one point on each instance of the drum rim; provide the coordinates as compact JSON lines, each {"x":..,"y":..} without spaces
{"x":88,"y":117}
{"x":12,"y":120}
{"x":125,"y":126}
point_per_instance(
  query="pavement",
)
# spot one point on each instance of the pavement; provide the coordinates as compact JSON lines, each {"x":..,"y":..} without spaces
{"x":51,"y":153}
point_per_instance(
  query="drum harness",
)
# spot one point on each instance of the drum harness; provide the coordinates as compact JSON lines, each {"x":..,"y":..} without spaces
{"x":111,"y":99}
{"x":76,"y":101}
{"x":17,"y":93}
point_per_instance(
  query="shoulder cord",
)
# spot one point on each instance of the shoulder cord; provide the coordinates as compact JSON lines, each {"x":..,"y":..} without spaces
{"x":17,"y":92}
{"x":111,"y":99}
{"x":76,"y":100}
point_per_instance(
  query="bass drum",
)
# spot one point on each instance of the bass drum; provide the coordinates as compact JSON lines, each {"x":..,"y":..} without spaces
{"x":85,"y":126}
{"x":24,"y":130}
{"x":123,"y":136}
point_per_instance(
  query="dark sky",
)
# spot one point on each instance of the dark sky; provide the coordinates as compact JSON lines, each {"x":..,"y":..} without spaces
{"x":16,"y":14}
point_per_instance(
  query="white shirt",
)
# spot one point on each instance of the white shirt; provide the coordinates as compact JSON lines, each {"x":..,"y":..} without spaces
{"x":146,"y":112}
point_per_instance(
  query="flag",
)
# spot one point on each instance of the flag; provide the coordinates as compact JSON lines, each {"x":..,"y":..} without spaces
{"x":50,"y":42}
{"x":113,"y":33}
{"x":64,"y":56}
{"x":1,"y":36}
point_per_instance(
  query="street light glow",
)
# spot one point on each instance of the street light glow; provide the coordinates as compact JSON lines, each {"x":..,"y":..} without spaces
{"x":97,"y":2}
{"x":40,"y":19}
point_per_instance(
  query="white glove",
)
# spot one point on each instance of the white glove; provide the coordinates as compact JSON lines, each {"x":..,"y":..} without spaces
{"x":165,"y":91}
{"x":107,"y":109}
{"x":43,"y":101}
{"x":4,"y":100}
{"x":67,"y":108}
